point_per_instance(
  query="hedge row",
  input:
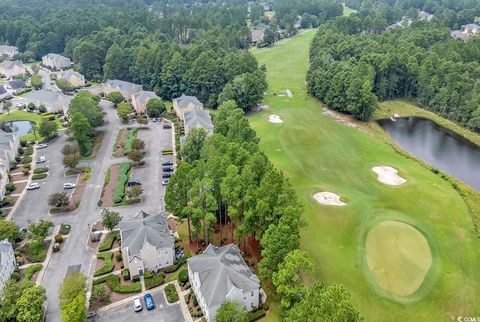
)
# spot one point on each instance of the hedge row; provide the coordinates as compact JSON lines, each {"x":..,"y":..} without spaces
{"x":113,"y":282}
{"x":254,"y":316}
{"x":132,"y":135}
{"x":29,"y":150}
{"x":171,"y":293}
{"x":109,"y":240}
{"x":119,"y":193}
{"x":39,"y":176}
{"x":40,"y":170}
{"x":154,"y":281}
{"x":107,"y":264}
{"x":30,"y":270}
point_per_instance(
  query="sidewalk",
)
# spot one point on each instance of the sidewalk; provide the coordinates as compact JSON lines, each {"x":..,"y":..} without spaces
{"x":45,"y":263}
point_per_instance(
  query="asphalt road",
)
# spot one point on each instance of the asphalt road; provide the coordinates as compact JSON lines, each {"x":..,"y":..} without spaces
{"x":161,"y":313}
{"x":34,"y":204}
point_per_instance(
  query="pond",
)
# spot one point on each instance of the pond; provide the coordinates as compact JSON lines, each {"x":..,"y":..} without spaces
{"x":445,"y":150}
{"x":21,"y":127}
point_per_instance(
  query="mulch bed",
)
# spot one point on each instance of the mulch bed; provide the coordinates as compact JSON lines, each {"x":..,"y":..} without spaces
{"x":109,"y":190}
{"x":117,"y":265}
{"x":172,"y":225}
{"x":118,"y":152}
{"x":18,"y":177}
{"x":19,"y":187}
{"x":97,"y":144}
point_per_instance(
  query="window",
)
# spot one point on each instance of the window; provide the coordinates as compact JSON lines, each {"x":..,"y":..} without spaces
{"x":168,"y":263}
{"x":166,"y":251}
{"x":251,"y":294}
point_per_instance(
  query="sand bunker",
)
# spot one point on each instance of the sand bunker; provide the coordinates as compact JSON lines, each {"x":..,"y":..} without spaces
{"x":328,"y":198}
{"x":274,"y":119}
{"x":398,"y":256}
{"x":388,"y":175}
{"x":289,"y":93}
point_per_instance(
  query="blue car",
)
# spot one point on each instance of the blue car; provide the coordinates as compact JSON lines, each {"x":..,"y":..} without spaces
{"x":148,"y":301}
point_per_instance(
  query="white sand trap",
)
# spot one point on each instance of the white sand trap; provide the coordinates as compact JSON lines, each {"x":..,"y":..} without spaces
{"x":289,"y":93}
{"x":328,"y":199}
{"x":274,"y":119}
{"x":388,"y":175}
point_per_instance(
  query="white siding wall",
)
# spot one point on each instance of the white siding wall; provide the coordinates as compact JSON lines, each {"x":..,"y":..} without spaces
{"x":7,"y":267}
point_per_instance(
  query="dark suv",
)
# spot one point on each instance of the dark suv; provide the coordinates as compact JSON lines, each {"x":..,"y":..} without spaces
{"x":166,"y":175}
{"x":134,"y":182}
{"x":165,"y":163}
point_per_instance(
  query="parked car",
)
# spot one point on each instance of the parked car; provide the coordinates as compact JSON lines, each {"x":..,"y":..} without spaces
{"x":42,"y":146}
{"x":149,"y":301}
{"x":33,"y":186}
{"x":20,"y":105}
{"x":137,"y":304}
{"x":167,"y":126}
{"x":154,"y":120}
{"x":41,"y":159}
{"x":166,"y":175}
{"x":167,"y":169}
{"x":134,"y":182}
{"x":69,"y":185}
{"x":165,"y":182}
{"x":165,"y":163}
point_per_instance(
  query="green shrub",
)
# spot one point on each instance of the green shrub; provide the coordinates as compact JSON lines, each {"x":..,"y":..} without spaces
{"x":39,"y":176}
{"x":36,"y":252}
{"x":20,"y":151}
{"x":100,"y":280}
{"x":126,"y":274}
{"x":15,"y":276}
{"x":18,"y":158}
{"x":118,"y":256}
{"x":109,"y":240}
{"x":65,"y":229}
{"x":27,"y":166}
{"x":29,"y":150}
{"x":148,"y":274}
{"x":254,"y":316}
{"x":58,"y":239}
{"x":119,"y":193}
{"x":7,"y":200}
{"x":132,"y":135}
{"x":40,"y":170}
{"x":107,"y":264}
{"x":13,"y":164}
{"x":171,"y":293}
{"x":27,"y":159}
{"x":30,"y":270}
{"x":10,"y":186}
{"x":154,"y":281}
{"x":183,"y":276}
{"x":136,"y":278}
{"x":113,"y":282}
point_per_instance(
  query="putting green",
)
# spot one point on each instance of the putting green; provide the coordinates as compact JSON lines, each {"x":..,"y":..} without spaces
{"x":398,"y":256}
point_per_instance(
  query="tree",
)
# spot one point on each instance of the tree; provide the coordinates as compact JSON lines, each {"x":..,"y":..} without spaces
{"x":110,"y":219}
{"x":7,"y":105}
{"x":138,"y":144}
{"x":39,"y":230}
{"x":116,"y":98}
{"x":22,"y":302}
{"x":81,"y":131}
{"x":86,"y":104}
{"x":155,"y":107}
{"x":246,"y":90}
{"x":231,"y":312}
{"x":64,"y":85}
{"x":142,"y":120}
{"x":134,"y":192}
{"x":71,"y":161}
{"x":100,"y":293}
{"x":124,"y":110}
{"x":116,"y":63}
{"x":73,"y":298}
{"x":287,"y":280}
{"x":48,"y":129}
{"x":36,"y":81}
{"x":202,"y":206}
{"x":70,"y":149}
{"x":58,"y":199}
{"x":193,"y":144}
{"x":135,"y":155}
{"x":8,"y":230}
{"x":324,"y":303}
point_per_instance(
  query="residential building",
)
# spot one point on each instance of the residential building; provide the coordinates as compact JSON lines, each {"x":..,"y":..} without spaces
{"x":9,"y":144}
{"x":8,"y":51}
{"x":471,"y":28}
{"x":127,"y":89}
{"x":7,"y":262}
{"x":10,"y":68}
{"x":220,"y":274}
{"x":257,"y":36}
{"x":54,"y":101}
{"x":185,"y":104}
{"x":147,"y":243}
{"x":467,"y":31}
{"x":141,"y":99}
{"x":16,"y":86}
{"x":198,"y":118}
{"x":4,"y":94}
{"x":423,"y":15}
{"x":56,"y":61}
{"x":74,"y":78}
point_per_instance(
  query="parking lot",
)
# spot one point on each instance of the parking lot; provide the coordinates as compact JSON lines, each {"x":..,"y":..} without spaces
{"x":161,"y":313}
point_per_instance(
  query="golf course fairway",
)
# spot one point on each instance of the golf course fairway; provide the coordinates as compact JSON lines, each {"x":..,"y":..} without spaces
{"x":317,"y":153}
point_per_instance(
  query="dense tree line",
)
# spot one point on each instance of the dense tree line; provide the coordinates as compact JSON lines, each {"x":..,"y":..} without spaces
{"x":171,"y":48}
{"x":449,"y":13}
{"x":352,"y":67}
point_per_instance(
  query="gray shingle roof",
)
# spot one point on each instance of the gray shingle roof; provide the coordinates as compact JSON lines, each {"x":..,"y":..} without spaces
{"x":60,"y":60}
{"x":2,"y":90}
{"x":69,"y":73}
{"x":6,"y":48}
{"x":219,"y":269}
{"x":123,"y":85}
{"x":17,"y":84}
{"x":198,"y":118}
{"x":5,"y":140}
{"x":9,"y":64}
{"x":184,"y":101}
{"x":145,"y":228}
{"x":53,"y":100}
{"x":144,"y":96}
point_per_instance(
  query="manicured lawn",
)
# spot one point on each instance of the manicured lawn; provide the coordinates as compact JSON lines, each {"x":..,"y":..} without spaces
{"x":317,"y":153}
{"x":26,"y":116}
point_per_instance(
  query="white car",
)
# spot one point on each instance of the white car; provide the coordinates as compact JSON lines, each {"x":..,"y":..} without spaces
{"x":41,"y":159}
{"x":165,"y":182}
{"x":33,"y":186}
{"x":137,"y":304}
{"x":42,"y":146}
{"x":69,"y":185}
